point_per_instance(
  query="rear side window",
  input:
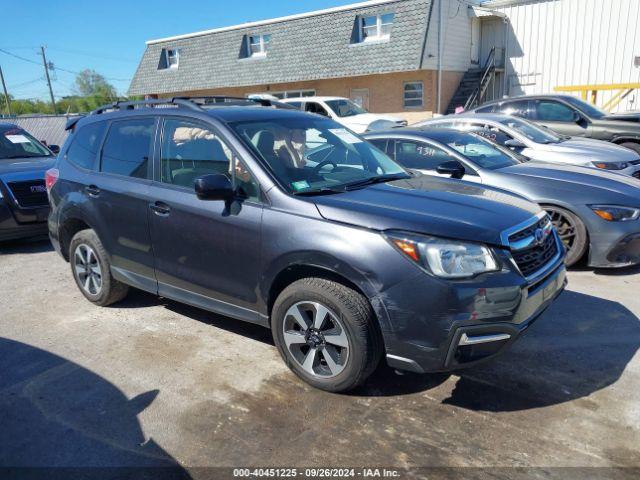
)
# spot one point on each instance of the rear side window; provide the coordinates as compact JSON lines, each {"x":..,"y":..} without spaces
{"x":126,"y":149}
{"x":519,"y":108}
{"x":487,"y":109}
{"x":86,"y":142}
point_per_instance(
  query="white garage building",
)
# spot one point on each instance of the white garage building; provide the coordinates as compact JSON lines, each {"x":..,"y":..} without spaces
{"x":550,"y":44}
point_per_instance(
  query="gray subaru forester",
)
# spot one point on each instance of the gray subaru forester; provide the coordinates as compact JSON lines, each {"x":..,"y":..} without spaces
{"x":288,"y":220}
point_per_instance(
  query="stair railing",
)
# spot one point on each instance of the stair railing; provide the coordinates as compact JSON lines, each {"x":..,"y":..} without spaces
{"x":488,"y":71}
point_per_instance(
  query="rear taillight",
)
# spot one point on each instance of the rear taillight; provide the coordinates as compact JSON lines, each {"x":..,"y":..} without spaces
{"x":50,"y":178}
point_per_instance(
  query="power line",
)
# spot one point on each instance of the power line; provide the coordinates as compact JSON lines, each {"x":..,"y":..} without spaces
{"x":19,"y":57}
{"x":52,"y":66}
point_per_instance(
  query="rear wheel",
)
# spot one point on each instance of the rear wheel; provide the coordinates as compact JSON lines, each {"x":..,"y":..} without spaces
{"x":91,"y":270}
{"x":326,"y":334}
{"x":571,"y":231}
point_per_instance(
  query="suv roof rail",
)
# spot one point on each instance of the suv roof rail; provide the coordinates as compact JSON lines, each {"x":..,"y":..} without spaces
{"x":192,"y":103}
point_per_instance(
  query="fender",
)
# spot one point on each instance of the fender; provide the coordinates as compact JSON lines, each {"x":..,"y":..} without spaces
{"x":366,"y":282}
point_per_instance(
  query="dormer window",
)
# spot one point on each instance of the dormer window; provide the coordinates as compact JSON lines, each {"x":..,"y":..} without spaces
{"x":257,"y":45}
{"x":169,"y":58}
{"x":375,"y":27}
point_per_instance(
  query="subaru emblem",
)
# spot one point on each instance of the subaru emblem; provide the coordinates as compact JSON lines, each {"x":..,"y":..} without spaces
{"x":539,"y":235}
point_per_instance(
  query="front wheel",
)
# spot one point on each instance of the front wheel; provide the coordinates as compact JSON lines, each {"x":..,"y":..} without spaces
{"x":571,"y":231}
{"x":326,"y":334}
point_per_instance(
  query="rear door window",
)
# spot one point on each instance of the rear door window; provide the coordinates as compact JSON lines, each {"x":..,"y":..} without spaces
{"x":127,"y":148}
{"x":419,"y":155}
{"x":85,"y":144}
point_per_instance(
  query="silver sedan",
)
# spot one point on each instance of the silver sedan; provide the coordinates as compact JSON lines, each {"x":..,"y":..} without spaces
{"x":596,"y":213}
{"x":539,"y":143}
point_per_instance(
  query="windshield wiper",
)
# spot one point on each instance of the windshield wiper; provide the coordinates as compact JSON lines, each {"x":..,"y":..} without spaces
{"x":374,"y":180}
{"x":320,"y":191}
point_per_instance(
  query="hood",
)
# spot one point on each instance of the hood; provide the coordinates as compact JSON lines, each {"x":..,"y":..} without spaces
{"x":368,"y":118}
{"x":436,"y":206}
{"x":591,"y":150}
{"x":624,"y":117}
{"x":592,"y":184}
{"x":21,"y":167}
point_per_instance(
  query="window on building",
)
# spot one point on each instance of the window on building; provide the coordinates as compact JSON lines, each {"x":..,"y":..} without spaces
{"x":375,"y":27}
{"x":294,"y":93}
{"x":413,"y":95}
{"x":126,"y":149}
{"x":169,"y":58}
{"x":258,"y":45}
{"x":86,"y":142}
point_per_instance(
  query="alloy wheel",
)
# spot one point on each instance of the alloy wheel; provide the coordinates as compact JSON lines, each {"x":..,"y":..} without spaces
{"x":564,"y":226}
{"x":87,"y":269}
{"x":316,"y":339}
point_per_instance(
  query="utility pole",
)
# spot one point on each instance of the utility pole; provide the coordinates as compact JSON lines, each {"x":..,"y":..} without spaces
{"x":6,"y":94}
{"x":46,"y":72}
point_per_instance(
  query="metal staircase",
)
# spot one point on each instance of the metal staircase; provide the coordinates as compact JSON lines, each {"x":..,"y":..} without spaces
{"x":473,"y":86}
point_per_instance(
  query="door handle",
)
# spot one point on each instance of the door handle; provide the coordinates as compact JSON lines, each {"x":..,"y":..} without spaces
{"x":160,"y":208}
{"x":92,"y":190}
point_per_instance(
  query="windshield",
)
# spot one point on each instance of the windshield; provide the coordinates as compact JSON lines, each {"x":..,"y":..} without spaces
{"x":531,"y":131}
{"x":345,"y":108}
{"x":590,"y":110}
{"x":482,"y":152}
{"x":16,"y":143}
{"x":313,"y":155}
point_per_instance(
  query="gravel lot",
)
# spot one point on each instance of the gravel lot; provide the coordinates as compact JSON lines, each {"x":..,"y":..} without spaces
{"x":153,"y":383}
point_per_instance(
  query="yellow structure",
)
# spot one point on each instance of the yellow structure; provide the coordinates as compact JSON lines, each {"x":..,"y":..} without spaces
{"x":590,"y":92}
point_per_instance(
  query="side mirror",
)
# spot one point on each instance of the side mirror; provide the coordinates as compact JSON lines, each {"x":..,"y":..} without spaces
{"x":452,"y":167}
{"x":513,"y":143}
{"x":576,"y":117}
{"x":55,"y":149}
{"x":214,"y":187}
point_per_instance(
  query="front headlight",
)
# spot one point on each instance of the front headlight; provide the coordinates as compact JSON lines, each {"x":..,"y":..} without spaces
{"x":611,"y":166}
{"x":442,"y":257}
{"x":614,"y":213}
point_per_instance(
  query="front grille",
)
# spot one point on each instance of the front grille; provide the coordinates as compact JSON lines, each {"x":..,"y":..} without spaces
{"x":528,"y":232}
{"x":29,"y":194}
{"x":532,"y":259}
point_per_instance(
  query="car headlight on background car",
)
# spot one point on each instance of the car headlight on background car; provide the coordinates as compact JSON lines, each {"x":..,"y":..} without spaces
{"x":614,"y":213}
{"x":442,"y":257}
{"x":611,"y":165}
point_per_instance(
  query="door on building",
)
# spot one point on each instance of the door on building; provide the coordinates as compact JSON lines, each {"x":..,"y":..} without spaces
{"x":361,"y":97}
{"x":475,"y":40}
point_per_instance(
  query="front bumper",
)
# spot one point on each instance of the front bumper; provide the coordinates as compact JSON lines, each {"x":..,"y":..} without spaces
{"x":22,"y":224}
{"x":613,"y":244}
{"x":443,"y":326}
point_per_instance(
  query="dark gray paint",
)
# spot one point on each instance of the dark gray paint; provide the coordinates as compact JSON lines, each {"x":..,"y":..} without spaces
{"x":227,"y":257}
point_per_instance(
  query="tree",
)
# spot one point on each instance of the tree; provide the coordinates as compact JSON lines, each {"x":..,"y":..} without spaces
{"x":90,"y":83}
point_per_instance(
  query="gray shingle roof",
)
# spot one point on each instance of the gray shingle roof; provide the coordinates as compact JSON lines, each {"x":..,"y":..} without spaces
{"x":306,"y":48}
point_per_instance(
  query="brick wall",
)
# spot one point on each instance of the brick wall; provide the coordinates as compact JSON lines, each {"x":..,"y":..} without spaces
{"x":385,"y":90}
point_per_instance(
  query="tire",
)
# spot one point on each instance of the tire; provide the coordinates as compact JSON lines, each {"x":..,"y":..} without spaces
{"x":572,"y":232}
{"x":86,"y":254}
{"x":631,"y":146}
{"x":340,"y":329}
